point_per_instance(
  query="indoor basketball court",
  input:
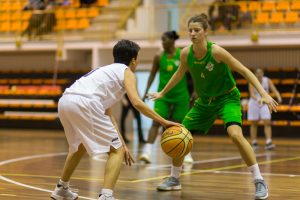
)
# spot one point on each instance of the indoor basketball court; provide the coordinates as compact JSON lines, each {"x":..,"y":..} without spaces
{"x":32,"y":161}
{"x":46,"y":45}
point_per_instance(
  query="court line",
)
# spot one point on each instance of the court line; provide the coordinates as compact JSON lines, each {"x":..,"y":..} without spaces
{"x":132,"y":181}
{"x":30,"y":158}
{"x":218,"y":169}
{"x":265,"y":174}
{"x":209,"y":160}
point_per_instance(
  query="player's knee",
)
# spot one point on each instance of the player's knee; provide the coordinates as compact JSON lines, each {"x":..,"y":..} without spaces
{"x":235,"y":135}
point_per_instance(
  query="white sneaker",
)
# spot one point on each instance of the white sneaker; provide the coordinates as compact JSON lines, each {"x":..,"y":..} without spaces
{"x":145,"y":157}
{"x":106,"y":197}
{"x":63,"y":193}
{"x":188,"y":158}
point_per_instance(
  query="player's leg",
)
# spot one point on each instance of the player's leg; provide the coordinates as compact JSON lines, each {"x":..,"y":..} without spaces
{"x":180,"y":109}
{"x":112,"y":171}
{"x":198,"y":120}
{"x":76,"y":151}
{"x":253,"y":134}
{"x":162,"y":108}
{"x":247,"y":153}
{"x":266,"y":118}
{"x":253,"y":114}
{"x":230,"y":112}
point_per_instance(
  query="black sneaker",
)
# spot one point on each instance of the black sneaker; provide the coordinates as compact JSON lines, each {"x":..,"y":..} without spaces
{"x":254,"y":146}
{"x":270,"y":146}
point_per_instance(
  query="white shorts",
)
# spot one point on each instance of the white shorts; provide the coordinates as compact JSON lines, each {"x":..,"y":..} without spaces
{"x":258,"y":112}
{"x":85,"y":122}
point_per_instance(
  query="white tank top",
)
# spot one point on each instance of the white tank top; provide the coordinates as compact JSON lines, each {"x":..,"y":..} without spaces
{"x":105,"y":84}
{"x":265,"y":85}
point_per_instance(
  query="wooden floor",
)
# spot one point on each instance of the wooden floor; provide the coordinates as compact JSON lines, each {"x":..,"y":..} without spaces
{"x":31,"y":162}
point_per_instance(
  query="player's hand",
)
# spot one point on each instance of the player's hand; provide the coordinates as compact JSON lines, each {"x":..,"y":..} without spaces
{"x":272,"y":104}
{"x":154,"y":96}
{"x":167,"y":124}
{"x":128,"y":157}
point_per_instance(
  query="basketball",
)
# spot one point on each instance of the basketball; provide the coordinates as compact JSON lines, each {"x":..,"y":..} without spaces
{"x":176,"y":141}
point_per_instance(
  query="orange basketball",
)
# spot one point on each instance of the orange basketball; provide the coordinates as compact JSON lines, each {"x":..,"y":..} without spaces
{"x":176,"y":141}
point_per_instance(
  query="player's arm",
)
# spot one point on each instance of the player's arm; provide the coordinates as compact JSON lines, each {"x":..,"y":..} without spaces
{"x":127,"y":156}
{"x":177,"y":76}
{"x":130,"y":87}
{"x":221,"y":55}
{"x":154,"y":69}
{"x":274,"y":90}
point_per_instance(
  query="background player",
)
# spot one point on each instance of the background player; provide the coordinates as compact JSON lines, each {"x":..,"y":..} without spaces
{"x":176,"y":101}
{"x":258,"y":111}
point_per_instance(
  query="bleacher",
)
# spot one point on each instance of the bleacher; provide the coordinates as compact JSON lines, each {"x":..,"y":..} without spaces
{"x":272,"y":12}
{"x":30,"y":102}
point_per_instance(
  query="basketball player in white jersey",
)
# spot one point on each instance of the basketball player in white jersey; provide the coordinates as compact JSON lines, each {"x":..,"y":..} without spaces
{"x":85,"y":113}
{"x":258,"y":111}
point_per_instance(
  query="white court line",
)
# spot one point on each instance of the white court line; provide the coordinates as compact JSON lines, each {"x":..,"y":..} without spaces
{"x":265,"y":174}
{"x":30,"y":158}
{"x":208,"y":161}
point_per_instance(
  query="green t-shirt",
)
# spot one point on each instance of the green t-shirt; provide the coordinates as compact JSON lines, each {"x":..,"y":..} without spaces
{"x":210,"y":79}
{"x":167,"y":67}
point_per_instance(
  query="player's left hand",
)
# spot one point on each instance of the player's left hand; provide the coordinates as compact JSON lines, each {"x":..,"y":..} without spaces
{"x":128,"y":157}
{"x":272,"y":104}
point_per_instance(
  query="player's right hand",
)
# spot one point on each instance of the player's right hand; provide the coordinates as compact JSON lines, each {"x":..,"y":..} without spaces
{"x":128,"y":157}
{"x":167,"y":124}
{"x":154,"y":96}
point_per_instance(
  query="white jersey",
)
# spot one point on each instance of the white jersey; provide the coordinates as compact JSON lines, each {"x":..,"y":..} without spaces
{"x":105,"y":84}
{"x":255,"y":110}
{"x":265,"y":85}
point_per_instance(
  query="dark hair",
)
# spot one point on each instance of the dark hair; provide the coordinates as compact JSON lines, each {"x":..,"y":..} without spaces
{"x":202,"y":19}
{"x":124,"y":51}
{"x":171,"y":35}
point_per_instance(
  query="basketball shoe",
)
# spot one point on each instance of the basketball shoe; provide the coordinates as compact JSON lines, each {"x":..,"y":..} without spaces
{"x":261,"y":189}
{"x":63,"y":193}
{"x":106,"y":197}
{"x":270,"y":146}
{"x":145,"y":157}
{"x":169,"y":184}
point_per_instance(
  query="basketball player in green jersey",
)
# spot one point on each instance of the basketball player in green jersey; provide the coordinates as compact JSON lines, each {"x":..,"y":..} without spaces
{"x":209,"y":66}
{"x":176,"y":101}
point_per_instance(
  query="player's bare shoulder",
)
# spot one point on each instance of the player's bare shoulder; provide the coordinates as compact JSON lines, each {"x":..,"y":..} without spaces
{"x":184,"y":53}
{"x":218,"y":52}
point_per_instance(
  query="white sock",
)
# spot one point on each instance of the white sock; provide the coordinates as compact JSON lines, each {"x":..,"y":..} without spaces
{"x":64,"y":184}
{"x":108,"y":192}
{"x":175,"y":171}
{"x":148,"y":148}
{"x":254,"y":141}
{"x":268,"y":141}
{"x":254,"y":169}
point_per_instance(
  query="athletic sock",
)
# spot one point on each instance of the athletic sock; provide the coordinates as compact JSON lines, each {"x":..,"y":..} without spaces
{"x":148,"y":148}
{"x":175,"y":171}
{"x":63,"y":183}
{"x":108,"y":192}
{"x":254,"y":169}
{"x":268,"y":141}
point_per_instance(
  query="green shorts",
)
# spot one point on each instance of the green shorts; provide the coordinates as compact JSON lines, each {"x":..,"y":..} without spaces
{"x":175,"y":111}
{"x":205,"y":111}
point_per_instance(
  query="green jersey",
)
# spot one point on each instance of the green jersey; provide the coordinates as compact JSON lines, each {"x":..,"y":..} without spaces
{"x":167,"y":67}
{"x":210,"y":79}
